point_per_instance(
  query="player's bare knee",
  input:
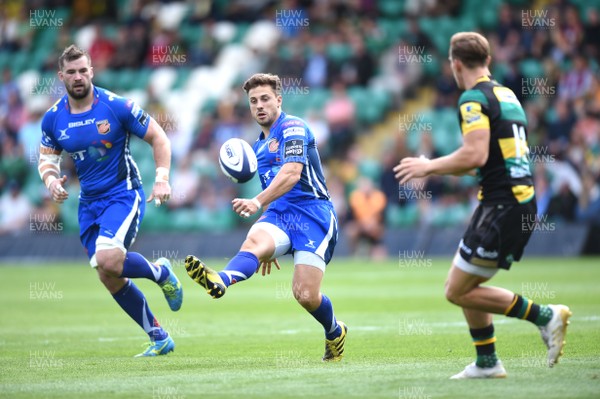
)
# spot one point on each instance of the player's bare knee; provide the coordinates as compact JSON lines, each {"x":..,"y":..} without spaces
{"x":110,"y":262}
{"x":307,"y":298}
{"x":452,"y":294}
{"x":255,"y":246}
{"x":112,"y":284}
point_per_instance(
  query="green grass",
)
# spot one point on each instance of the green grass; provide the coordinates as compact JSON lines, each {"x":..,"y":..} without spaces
{"x":62,"y":335}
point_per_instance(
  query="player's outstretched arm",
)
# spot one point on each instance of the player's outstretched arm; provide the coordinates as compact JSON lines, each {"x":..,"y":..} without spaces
{"x":161,"y":147}
{"x":472,"y":154}
{"x":284,"y":181}
{"x":49,"y":170}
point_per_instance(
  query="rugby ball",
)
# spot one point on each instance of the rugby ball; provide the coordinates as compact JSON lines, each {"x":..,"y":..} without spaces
{"x":238,"y":160}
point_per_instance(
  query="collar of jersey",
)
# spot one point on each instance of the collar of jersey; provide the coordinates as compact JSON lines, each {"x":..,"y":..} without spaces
{"x":277,"y":122}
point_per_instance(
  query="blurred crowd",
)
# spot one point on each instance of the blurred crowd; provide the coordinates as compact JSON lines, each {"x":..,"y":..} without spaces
{"x":338,"y":48}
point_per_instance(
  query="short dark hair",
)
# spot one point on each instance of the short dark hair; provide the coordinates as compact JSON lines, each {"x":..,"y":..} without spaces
{"x":471,"y":48}
{"x":72,"y":53}
{"x":263,"y":79}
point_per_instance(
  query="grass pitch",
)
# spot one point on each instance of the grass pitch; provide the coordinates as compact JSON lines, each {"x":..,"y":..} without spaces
{"x":63,"y":336}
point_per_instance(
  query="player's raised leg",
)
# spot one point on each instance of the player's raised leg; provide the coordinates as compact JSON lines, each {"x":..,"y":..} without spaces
{"x":306,"y":287}
{"x":259,"y":245}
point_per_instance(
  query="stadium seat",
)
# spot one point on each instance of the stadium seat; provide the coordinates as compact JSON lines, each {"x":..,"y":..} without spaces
{"x":162,"y":79}
{"x":402,"y":216}
{"x":532,"y":68}
{"x":391,"y":8}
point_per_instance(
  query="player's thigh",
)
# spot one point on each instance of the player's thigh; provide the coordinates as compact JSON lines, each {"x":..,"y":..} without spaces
{"x":89,"y":227}
{"x":480,"y":249}
{"x":315,"y":232}
{"x":120,"y":221}
{"x":266,"y":241}
{"x":460,"y":282}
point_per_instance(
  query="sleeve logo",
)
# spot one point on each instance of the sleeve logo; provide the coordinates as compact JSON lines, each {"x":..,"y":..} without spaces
{"x":294,"y":131}
{"x":471,"y":112}
{"x":293,"y":148}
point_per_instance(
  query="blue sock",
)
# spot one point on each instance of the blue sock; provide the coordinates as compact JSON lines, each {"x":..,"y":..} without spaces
{"x":136,"y":266}
{"x":241,"y":267}
{"x":133,"y":302}
{"x":324,"y":315}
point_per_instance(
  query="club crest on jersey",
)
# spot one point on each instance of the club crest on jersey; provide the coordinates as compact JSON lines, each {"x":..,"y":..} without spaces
{"x":103,"y":126}
{"x":273,"y":145}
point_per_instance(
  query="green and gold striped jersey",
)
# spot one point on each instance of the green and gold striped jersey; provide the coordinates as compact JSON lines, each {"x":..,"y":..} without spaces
{"x":506,"y":177}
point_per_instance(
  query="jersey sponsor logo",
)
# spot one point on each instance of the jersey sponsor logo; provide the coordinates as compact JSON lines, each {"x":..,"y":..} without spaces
{"x":273,"y":145}
{"x":293,"y":148}
{"x":143,"y":119}
{"x":63,"y":134}
{"x":294,"y":131}
{"x":103,"y":126}
{"x":136,"y":110}
{"x":291,"y":122}
{"x":78,"y":155}
{"x":506,"y":95}
{"x":464,"y":247}
{"x":486,"y":254}
{"x":81,"y":123}
{"x":472,"y":114}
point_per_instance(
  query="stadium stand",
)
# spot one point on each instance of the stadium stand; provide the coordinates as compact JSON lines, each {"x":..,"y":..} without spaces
{"x":185,"y":61}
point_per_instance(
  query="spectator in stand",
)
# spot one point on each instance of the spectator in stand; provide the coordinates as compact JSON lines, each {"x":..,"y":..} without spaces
{"x":569,"y":35}
{"x":588,"y":207}
{"x":316,"y":73}
{"x":102,"y":49}
{"x":513,"y":79}
{"x":559,"y":129}
{"x":360,"y":68}
{"x":15,"y":210}
{"x":14,"y":112}
{"x":575,"y":83}
{"x":340,"y":115}
{"x":591,"y":34}
{"x":446,"y":90}
{"x":506,"y":23}
{"x":29,"y":133}
{"x":367,"y":205}
{"x":130,"y":48}
{"x":320,"y":128}
{"x":185,"y":185}
{"x":8,"y":87}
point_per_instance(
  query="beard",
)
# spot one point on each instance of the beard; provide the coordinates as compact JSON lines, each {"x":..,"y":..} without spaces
{"x":81,"y":94}
{"x":267,"y":122}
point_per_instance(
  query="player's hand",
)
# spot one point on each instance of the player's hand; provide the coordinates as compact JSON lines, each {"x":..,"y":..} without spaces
{"x":411,"y":168}
{"x":266,"y":266}
{"x":58,"y":193}
{"x":244,"y":207}
{"x":161,"y":192}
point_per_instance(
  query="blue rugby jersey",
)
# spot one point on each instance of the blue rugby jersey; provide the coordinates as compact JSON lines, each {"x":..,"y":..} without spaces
{"x":98,"y":141}
{"x":291,"y":140}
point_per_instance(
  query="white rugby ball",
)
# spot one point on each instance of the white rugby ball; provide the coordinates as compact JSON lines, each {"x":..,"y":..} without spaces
{"x":238,"y":160}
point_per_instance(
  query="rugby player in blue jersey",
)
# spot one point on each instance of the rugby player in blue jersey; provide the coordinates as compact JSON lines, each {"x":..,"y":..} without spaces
{"x":94,"y":126}
{"x":298,"y":215}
